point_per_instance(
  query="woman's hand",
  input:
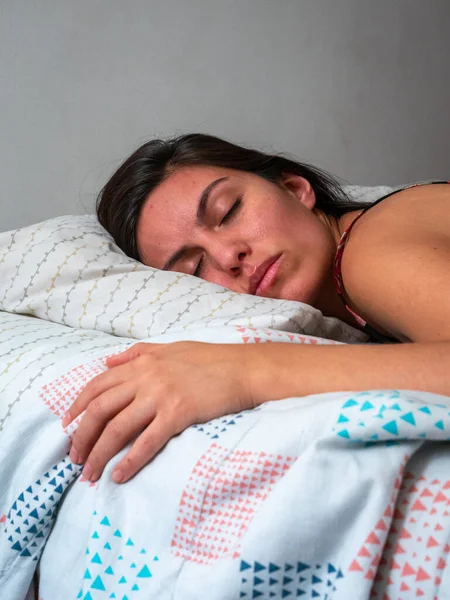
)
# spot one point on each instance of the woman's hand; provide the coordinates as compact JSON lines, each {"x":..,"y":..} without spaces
{"x":155,"y":391}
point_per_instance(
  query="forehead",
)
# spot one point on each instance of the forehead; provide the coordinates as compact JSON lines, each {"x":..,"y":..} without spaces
{"x":169,"y":211}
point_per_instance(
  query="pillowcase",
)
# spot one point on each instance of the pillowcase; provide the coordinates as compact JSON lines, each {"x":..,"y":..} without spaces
{"x":68,"y":270}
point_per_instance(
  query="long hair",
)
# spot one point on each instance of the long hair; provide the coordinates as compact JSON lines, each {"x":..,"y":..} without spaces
{"x":120,"y":202}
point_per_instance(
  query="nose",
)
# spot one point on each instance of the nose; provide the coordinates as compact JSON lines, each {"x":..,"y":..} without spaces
{"x":229,"y":257}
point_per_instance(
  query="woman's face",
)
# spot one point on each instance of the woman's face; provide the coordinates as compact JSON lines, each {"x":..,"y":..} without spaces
{"x":246,"y":221}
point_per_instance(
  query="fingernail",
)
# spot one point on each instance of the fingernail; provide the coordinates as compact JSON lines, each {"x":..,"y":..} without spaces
{"x":66,"y":420}
{"x":118,"y":476}
{"x":87,"y":471}
{"x":74,"y":455}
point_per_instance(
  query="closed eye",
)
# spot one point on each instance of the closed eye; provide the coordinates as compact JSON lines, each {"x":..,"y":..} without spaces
{"x":227,"y":217}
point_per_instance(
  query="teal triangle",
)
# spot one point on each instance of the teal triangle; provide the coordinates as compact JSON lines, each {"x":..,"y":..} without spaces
{"x":395,"y":407}
{"x":87,"y":551}
{"x":143,"y":551}
{"x":285,"y":593}
{"x":287,"y":580}
{"x":342,"y":419}
{"x":244,"y":565}
{"x":135,"y":588}
{"x":113,"y":595}
{"x":331,"y":569}
{"x":144,"y":572}
{"x":350,"y":403}
{"x":105,"y":521}
{"x":155,"y":558}
{"x":301,"y":567}
{"x":133,"y":566}
{"x":96,"y":559}
{"x":95,"y":536}
{"x":288,"y":567}
{"x":21,"y":498}
{"x":273,"y":581}
{"x":344,"y":433}
{"x":129,"y":542}
{"x":122,"y":580}
{"x":374,"y":436}
{"x":339,"y":575}
{"x":409,"y":418}
{"x":107,"y":546}
{"x":257,"y":580}
{"x":425,"y":409}
{"x":117,"y":533}
{"x":391,"y":427}
{"x":366,"y":406}
{"x":80,"y":594}
{"x":98,"y":584}
{"x":316,"y":579}
{"x":272,"y":567}
{"x":440,"y":425}
{"x":315,"y":594}
{"x":258,"y":567}
{"x":109,"y":571}
{"x":87,"y":596}
{"x":120,"y":557}
{"x":87,"y":575}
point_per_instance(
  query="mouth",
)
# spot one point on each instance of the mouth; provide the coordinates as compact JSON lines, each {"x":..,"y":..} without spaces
{"x":264,"y":275}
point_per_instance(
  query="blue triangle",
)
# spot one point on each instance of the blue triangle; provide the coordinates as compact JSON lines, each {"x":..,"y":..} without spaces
{"x":366,"y":406}
{"x":258,"y":567}
{"x":257,"y":580}
{"x":34,"y":514}
{"x":17,"y":547}
{"x":316,"y":579}
{"x":287,"y":580}
{"x":344,"y":433}
{"x":301,"y":567}
{"x":273,"y":581}
{"x":144,"y":572}
{"x":350,"y":403}
{"x":244,"y":565}
{"x":25,"y":552}
{"x":272,"y":568}
{"x":315,"y":594}
{"x":391,"y":427}
{"x":98,"y":584}
{"x":409,"y":418}
{"x":52,"y":481}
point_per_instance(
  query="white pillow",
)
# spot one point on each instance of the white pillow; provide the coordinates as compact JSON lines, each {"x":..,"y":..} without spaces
{"x":68,"y":270}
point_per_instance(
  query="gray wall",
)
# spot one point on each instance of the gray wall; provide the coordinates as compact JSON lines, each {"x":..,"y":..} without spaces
{"x":359,"y":87}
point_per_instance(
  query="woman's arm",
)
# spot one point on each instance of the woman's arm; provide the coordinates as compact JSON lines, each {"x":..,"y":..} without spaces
{"x":280,"y":370}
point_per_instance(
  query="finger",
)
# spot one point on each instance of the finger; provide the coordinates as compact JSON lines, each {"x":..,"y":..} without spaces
{"x":146,"y":446}
{"x":95,"y":387}
{"x":101,"y":410}
{"x":127,"y":355}
{"x":117,"y":433}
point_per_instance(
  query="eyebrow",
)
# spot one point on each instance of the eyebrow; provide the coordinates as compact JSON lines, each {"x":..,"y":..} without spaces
{"x":200,"y":219}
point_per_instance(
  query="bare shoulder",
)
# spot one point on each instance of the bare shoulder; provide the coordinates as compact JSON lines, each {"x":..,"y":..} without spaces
{"x":396,"y":264}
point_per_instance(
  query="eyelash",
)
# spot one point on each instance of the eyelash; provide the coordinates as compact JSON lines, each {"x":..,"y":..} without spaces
{"x":227,"y":217}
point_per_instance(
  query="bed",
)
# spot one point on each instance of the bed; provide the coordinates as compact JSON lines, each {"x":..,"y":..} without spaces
{"x":333,"y":496}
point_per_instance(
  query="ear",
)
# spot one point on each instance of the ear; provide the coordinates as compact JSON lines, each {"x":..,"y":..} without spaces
{"x":300,"y":187}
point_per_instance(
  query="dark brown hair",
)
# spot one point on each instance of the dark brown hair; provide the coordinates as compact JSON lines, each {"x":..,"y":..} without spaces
{"x":120,"y":202}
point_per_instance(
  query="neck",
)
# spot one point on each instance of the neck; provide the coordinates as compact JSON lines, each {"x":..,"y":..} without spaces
{"x":328,"y":300}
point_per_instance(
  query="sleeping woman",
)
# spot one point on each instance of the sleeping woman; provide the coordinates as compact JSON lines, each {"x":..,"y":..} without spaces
{"x":265,"y":225}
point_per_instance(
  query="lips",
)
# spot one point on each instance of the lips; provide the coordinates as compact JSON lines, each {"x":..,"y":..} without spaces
{"x":260,"y":272}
